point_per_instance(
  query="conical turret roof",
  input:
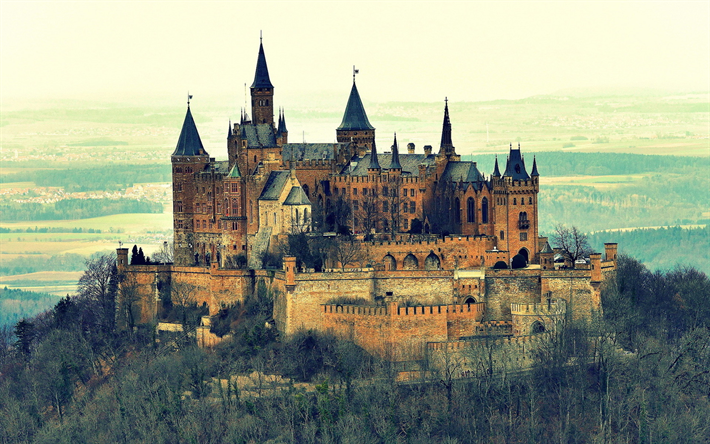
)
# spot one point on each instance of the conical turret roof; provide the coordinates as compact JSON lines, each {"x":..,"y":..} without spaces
{"x":189,"y":143}
{"x":496,"y":170}
{"x":515,"y":167}
{"x":534,"y":170}
{"x":374,"y":163}
{"x":446,"y":129}
{"x":355,"y":117}
{"x":261,"y":77}
{"x":282,"y":123}
{"x":394,"y":163}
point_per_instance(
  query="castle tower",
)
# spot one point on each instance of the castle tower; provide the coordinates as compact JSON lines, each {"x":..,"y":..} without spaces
{"x":188,"y":159}
{"x":395,"y":166}
{"x":262,"y":92}
{"x":281,"y":131}
{"x":515,"y":214}
{"x":355,"y":126}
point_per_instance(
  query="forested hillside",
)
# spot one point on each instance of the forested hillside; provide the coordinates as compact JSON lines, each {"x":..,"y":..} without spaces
{"x":638,"y":375}
{"x":69,"y":209}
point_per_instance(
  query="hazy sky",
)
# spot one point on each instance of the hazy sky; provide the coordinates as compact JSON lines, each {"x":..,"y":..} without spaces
{"x":406,"y":51}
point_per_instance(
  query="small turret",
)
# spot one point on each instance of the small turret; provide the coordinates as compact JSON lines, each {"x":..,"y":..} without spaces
{"x":534,"y":169}
{"x":496,"y":170}
{"x":394,"y":164}
{"x":374,"y":163}
{"x":515,"y":166}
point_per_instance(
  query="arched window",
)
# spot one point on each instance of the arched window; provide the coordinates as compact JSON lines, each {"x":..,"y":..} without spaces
{"x":523,"y":222}
{"x":432,"y":262}
{"x":537,"y":327}
{"x":390,"y":263}
{"x":457,"y":211}
{"x":298,"y":217}
{"x":410,"y":262}
{"x":471,"y":210}
{"x":484,"y":210}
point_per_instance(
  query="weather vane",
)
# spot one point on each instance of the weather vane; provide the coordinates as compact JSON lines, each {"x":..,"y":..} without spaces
{"x":189,"y":97}
{"x":355,"y":71}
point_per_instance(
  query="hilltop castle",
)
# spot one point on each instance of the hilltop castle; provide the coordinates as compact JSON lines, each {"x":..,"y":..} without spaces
{"x":447,"y":253}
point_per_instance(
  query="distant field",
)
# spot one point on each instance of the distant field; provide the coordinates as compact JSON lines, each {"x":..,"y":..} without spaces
{"x":10,"y":185}
{"x":595,"y":181}
{"x":128,"y":223}
{"x":53,"y":282}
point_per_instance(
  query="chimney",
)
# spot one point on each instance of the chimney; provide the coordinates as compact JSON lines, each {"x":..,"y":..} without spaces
{"x":610,"y":250}
{"x":427,"y":150}
{"x":290,"y":269}
{"x":410,"y":148}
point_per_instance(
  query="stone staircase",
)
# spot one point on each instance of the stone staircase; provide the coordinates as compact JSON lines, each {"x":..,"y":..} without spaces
{"x":260,"y":246}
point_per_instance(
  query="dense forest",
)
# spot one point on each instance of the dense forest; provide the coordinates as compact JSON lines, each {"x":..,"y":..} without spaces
{"x":16,"y":305}
{"x":98,"y":178}
{"x":70,"y":209}
{"x":32,"y":264}
{"x":661,"y":248}
{"x":639,"y":375}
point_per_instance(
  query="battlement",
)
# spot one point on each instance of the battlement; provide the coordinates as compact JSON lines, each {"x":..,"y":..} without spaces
{"x":430,"y":240}
{"x":469,"y":310}
{"x":522,"y":343}
{"x":325,"y":164}
{"x":557,"y":307}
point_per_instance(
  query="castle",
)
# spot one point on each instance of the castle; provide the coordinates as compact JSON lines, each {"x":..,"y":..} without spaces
{"x":445,"y":253}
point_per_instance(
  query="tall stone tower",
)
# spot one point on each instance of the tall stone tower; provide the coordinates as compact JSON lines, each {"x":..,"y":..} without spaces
{"x":355,"y":126}
{"x":188,"y":159}
{"x":262,"y":92}
{"x":515,"y":207}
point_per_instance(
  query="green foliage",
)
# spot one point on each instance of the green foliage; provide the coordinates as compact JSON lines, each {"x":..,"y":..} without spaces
{"x":661,"y":248}
{"x":75,"y":209}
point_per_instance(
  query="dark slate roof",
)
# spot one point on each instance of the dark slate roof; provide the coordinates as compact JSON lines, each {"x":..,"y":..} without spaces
{"x":310,"y":151}
{"x":410,"y":163}
{"x":374,"y":162}
{"x":515,"y":167}
{"x":235,"y":171}
{"x":259,"y":135}
{"x":496,"y":170}
{"x":446,"y":129}
{"x":261,"y":77}
{"x":461,"y":172}
{"x":274,"y":185}
{"x":355,"y":117}
{"x":282,"y":123}
{"x":297,"y":197}
{"x":189,"y":143}
{"x":547,"y":249}
{"x":534,"y":170}
{"x":394,"y":163}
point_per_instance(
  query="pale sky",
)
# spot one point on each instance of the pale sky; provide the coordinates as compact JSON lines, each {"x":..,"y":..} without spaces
{"x":405,"y":51}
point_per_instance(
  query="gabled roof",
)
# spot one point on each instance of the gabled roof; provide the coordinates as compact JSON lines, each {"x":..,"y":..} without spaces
{"x":259,"y":135}
{"x":261,"y":77}
{"x":189,"y":143}
{"x":515,"y":167}
{"x":409,"y":162}
{"x":274,"y":185}
{"x":461,"y":172}
{"x":219,"y":166}
{"x":297,"y":197}
{"x":310,"y":151}
{"x":355,"y":117}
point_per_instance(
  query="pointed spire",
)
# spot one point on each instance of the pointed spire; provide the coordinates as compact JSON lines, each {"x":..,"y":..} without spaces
{"x":229,"y":130}
{"x":261,"y":77}
{"x":355,"y":117}
{"x":374,"y":163}
{"x":534,"y":169}
{"x":446,"y":144}
{"x":496,"y":171}
{"x":235,"y":171}
{"x":189,"y":143}
{"x":515,"y":167}
{"x":282,"y":122}
{"x":394,"y":164}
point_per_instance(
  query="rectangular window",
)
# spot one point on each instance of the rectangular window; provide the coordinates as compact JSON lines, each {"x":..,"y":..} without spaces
{"x":364,"y":191}
{"x":523,"y":236}
{"x":355,"y":206}
{"x":219,"y":208}
{"x":406,"y":224}
{"x":234,"y":188}
{"x":354,"y":191}
{"x":385,"y":206}
{"x":412,"y":207}
{"x":385,"y":190}
{"x":404,"y":192}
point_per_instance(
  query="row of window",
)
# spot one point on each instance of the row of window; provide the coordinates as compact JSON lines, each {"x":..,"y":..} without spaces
{"x":410,"y":207}
{"x":385,"y":191}
{"x":501,"y":201}
{"x":180,"y":170}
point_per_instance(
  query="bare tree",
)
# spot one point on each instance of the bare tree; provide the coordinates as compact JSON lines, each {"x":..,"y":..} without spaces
{"x":395,"y":205}
{"x":98,"y":285}
{"x":367,"y":212}
{"x":574,"y":243}
{"x":347,"y":250}
{"x":166,"y":253}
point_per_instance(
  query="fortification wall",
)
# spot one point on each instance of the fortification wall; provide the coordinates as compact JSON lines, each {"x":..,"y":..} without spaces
{"x":451,"y":251}
{"x":399,"y":333}
{"x":506,"y":287}
{"x":148,"y":285}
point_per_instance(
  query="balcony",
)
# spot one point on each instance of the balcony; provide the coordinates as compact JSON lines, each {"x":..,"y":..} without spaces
{"x":523,"y":224}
